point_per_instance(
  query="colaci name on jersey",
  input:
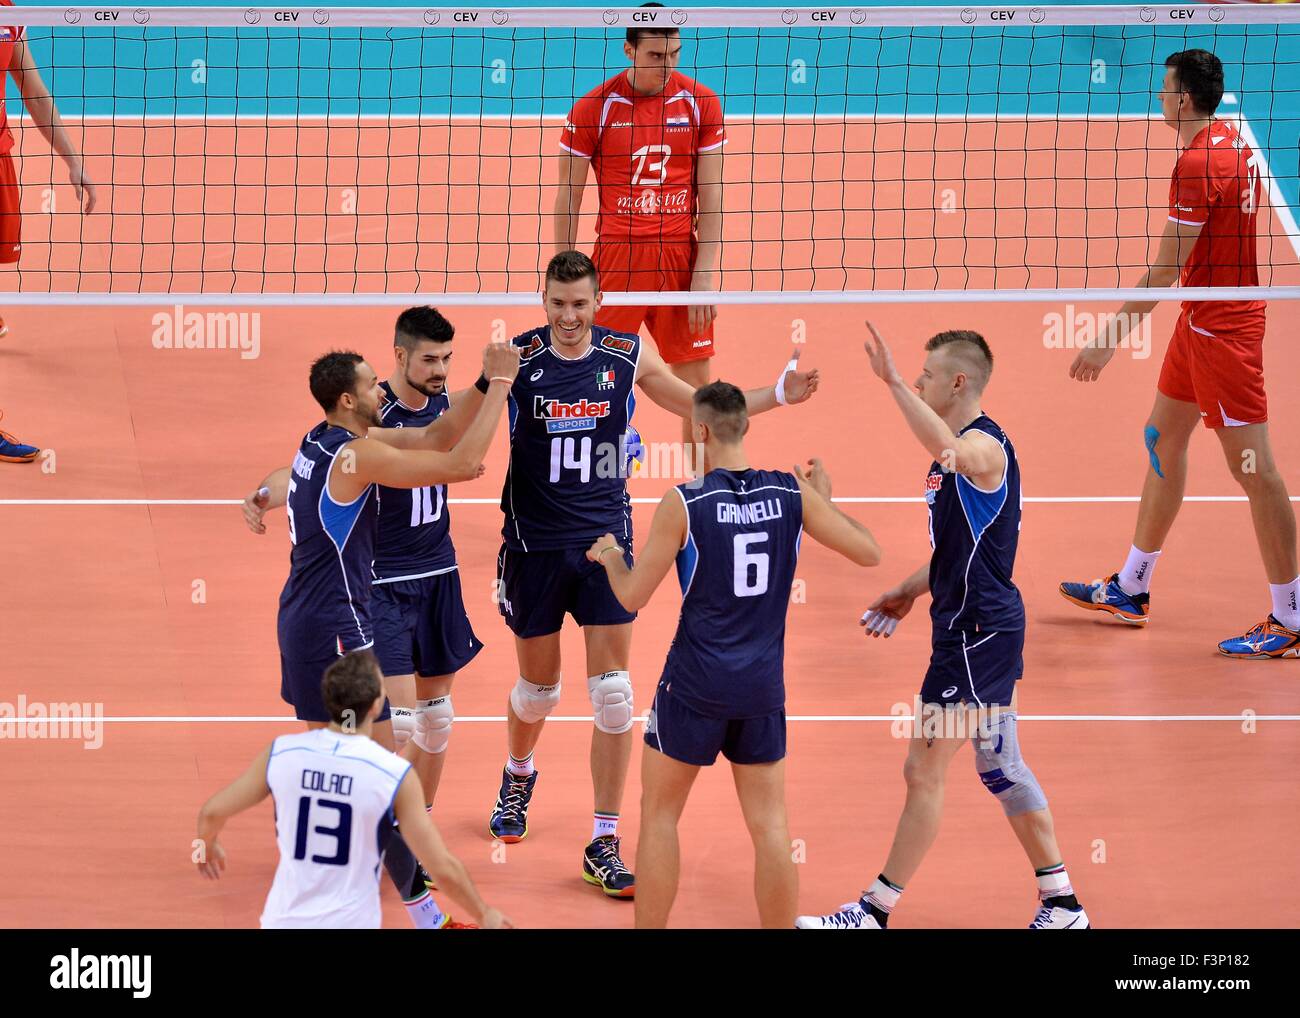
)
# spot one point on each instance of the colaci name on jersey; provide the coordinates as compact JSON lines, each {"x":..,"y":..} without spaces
{"x":561,"y":417}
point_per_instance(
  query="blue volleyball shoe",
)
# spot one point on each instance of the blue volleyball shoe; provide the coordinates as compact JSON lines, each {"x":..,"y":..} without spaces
{"x":509,"y":820}
{"x":14,"y":451}
{"x":603,"y":866}
{"x":1107,"y":596}
{"x":1268,"y":639}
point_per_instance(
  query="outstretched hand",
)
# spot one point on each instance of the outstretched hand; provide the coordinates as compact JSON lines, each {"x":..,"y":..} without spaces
{"x":800,"y":385}
{"x":882,"y":361}
{"x":816,"y":478}
{"x":255,"y":506}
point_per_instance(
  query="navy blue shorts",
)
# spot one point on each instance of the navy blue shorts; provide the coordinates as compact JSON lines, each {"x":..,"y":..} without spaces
{"x":678,"y":731}
{"x":535,"y":589}
{"x":421,"y":627}
{"x":975,"y":668}
{"x":300,"y":681}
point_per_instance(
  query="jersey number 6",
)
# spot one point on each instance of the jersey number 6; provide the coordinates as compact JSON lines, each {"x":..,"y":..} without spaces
{"x":745,"y":560}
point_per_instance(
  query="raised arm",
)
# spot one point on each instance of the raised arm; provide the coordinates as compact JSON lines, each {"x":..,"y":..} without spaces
{"x":674,"y":395}
{"x":243,"y":793}
{"x":45,"y":116}
{"x":369,"y":461}
{"x":826,"y":524}
{"x":974,"y":454}
{"x":633,"y":587}
{"x":447,"y":872}
{"x":439,"y":435}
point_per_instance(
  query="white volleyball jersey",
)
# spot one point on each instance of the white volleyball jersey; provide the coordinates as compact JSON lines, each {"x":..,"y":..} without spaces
{"x":333,"y":817}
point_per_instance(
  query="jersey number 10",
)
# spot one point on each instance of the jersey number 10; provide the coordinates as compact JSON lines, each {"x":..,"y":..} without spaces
{"x":426,"y":505}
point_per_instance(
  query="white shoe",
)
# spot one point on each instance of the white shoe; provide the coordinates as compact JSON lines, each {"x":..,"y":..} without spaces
{"x":850,"y":917}
{"x":1053,"y":917}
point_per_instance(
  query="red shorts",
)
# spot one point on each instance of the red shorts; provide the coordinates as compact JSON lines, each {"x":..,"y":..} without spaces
{"x":10,"y":214}
{"x":658,"y":267}
{"x":1223,"y":373}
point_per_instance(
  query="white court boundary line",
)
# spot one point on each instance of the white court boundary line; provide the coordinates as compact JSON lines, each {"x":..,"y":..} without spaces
{"x":844,"y":500}
{"x":492,"y":718}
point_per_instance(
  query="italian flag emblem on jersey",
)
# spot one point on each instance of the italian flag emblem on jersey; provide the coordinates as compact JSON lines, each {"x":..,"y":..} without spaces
{"x":605,"y":379}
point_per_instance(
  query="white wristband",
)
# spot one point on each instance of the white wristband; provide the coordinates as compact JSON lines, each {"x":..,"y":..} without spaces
{"x":780,"y":382}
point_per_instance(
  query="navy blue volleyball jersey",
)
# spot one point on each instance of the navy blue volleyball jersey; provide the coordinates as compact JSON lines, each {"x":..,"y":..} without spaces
{"x":567,"y":480}
{"x":974,"y":535}
{"x":414,"y":524}
{"x":325,"y":606}
{"x":736,"y":569}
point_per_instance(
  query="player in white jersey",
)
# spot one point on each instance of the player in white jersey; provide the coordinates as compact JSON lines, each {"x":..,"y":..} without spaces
{"x":336,"y":795}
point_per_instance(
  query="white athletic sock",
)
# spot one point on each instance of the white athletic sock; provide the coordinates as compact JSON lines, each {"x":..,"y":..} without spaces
{"x":425,"y":913}
{"x":883,"y":894}
{"x":1135,"y":577}
{"x":520,"y":768}
{"x":1286,"y":602}
{"x":1053,"y":882}
{"x":605,"y":825}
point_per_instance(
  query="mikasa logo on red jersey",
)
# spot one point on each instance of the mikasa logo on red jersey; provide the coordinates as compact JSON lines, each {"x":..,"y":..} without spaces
{"x":559,"y":416}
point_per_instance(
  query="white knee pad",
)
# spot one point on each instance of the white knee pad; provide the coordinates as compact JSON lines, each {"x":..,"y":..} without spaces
{"x":433,"y":720}
{"x":531,"y":702}
{"x":403,"y":725}
{"x":611,"y":698}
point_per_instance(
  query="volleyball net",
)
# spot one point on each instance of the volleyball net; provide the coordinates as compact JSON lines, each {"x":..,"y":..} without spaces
{"x":341,"y":154}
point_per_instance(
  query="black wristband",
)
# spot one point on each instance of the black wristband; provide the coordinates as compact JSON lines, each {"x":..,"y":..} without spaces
{"x":482,"y":384}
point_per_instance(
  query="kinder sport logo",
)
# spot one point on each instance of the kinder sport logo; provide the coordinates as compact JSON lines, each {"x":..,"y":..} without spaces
{"x":561,"y":417}
{"x":932,"y":485}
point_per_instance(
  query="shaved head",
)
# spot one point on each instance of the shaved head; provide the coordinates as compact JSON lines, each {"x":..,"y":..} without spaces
{"x":966,"y":352}
{"x":721,"y":407}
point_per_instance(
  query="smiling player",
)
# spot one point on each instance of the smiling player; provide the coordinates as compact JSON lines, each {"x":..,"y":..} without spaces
{"x":570,"y":410}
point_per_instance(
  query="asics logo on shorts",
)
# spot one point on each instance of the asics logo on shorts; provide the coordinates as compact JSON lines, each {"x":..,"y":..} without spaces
{"x":950,"y":691}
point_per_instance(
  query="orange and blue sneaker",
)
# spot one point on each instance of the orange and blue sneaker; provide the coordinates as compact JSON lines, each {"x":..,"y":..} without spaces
{"x":14,"y":451}
{"x":509,"y":820}
{"x":602,"y":866}
{"x":1268,"y":639}
{"x":1108,"y":596}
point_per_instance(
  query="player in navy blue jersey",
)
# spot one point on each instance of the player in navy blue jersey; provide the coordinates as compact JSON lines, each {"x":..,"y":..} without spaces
{"x":422,"y":633}
{"x":570,"y":412}
{"x":333,"y":503}
{"x":978,"y":631}
{"x":734,"y":535}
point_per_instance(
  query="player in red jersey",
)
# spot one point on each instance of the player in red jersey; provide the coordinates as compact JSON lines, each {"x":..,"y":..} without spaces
{"x":16,"y":58}
{"x":653,"y":138}
{"x":1214,"y":367}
